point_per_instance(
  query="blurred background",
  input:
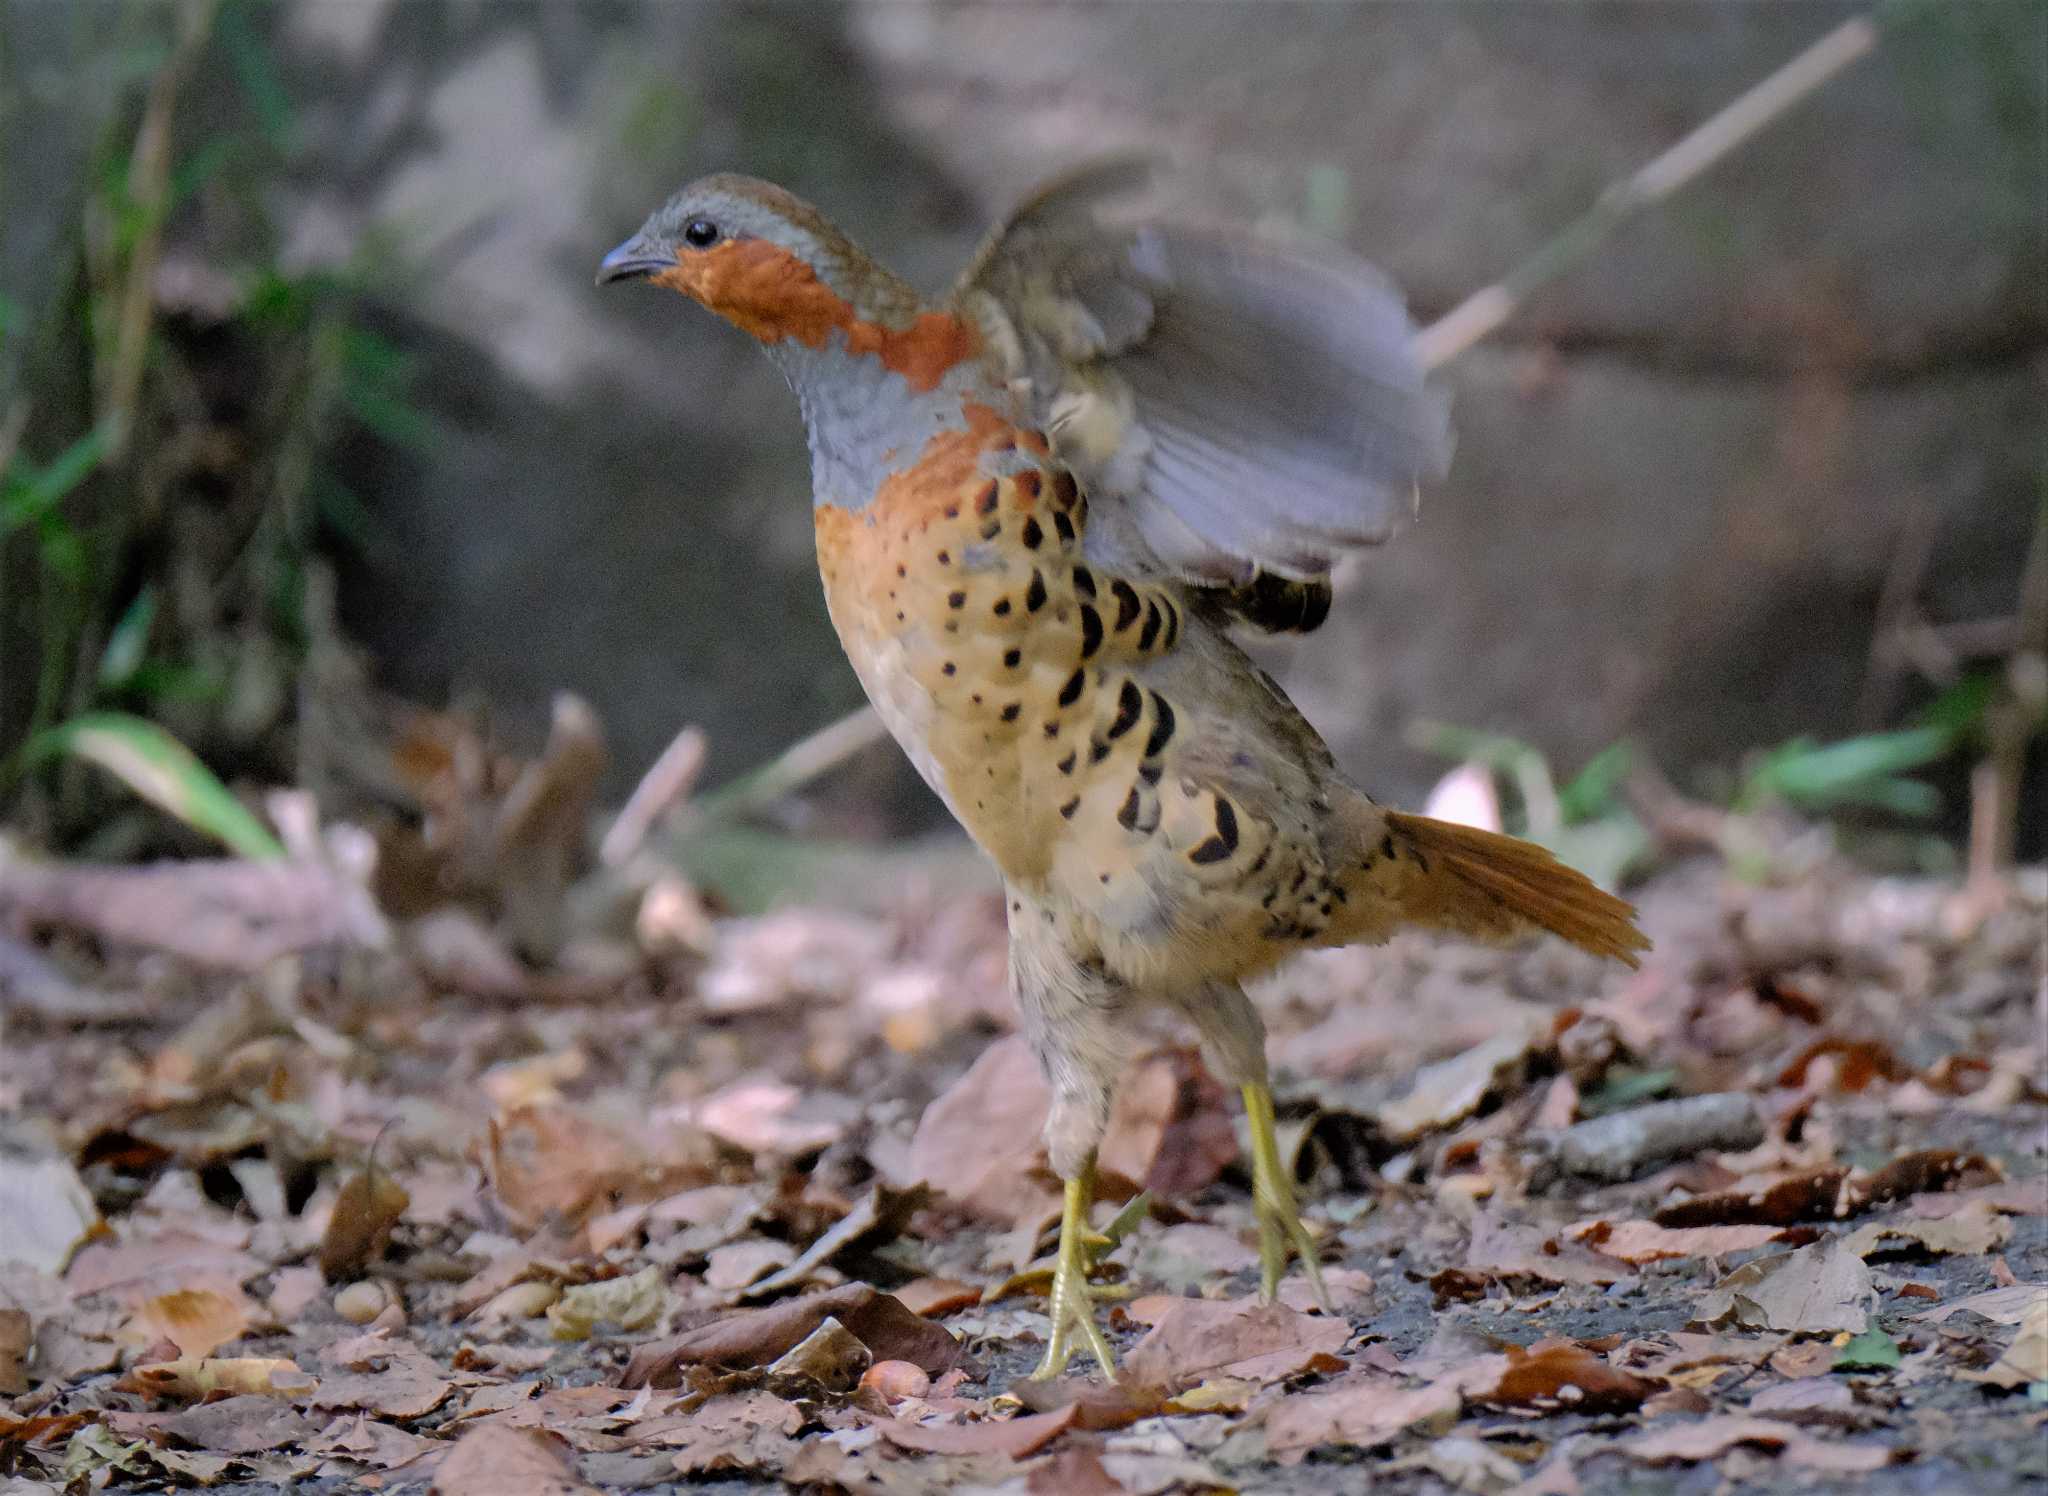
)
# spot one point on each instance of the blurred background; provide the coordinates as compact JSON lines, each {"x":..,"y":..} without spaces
{"x":317,"y":437}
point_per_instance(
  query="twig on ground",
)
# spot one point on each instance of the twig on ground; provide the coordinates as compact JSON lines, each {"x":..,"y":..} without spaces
{"x":665,"y":784}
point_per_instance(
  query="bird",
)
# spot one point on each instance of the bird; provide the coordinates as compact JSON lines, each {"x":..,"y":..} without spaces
{"x":1047,"y":504}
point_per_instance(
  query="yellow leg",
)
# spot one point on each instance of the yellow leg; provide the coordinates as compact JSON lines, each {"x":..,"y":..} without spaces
{"x":1073,"y":1299}
{"x":1280,"y":1227}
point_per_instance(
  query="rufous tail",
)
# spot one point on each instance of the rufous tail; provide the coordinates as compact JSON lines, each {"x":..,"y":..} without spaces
{"x":1495,"y":887}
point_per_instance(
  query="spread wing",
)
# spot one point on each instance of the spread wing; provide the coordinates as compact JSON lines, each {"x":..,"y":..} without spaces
{"x":1251,"y":406}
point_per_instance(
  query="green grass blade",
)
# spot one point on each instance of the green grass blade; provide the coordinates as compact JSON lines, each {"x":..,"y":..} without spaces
{"x":164,"y":772}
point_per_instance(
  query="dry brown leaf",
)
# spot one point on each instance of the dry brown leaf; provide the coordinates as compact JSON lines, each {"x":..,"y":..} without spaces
{"x":1640,"y":1242}
{"x":1822,"y":1400}
{"x":1075,"y":1470}
{"x":831,"y":1355}
{"x":2026,"y":1359}
{"x":1816,"y":1289}
{"x":15,"y":1339}
{"x":1712,"y":1437}
{"x":48,"y":1210}
{"x":1502,"y":1249}
{"x":293,"y":1291}
{"x":234,"y":1425}
{"x":198,"y":1321}
{"x":2002,"y":1306}
{"x":1195,"y":1338}
{"x":1929,"y":1171}
{"x":495,"y":1460}
{"x":978,"y":1143}
{"x":366,"y":1210}
{"x":1019,"y":1438}
{"x":1451,"y":1090}
{"x":1971,"y":1231}
{"x":771,"y":1117}
{"x":554,"y":1162}
{"x":755,"y":1337}
{"x":1168,"y":1126}
{"x":381,"y":1374}
{"x":740,"y":1431}
{"x":1563,"y":1373}
{"x":1809,"y":1195}
{"x":631,"y":1303}
{"x":195,"y":1377}
{"x":739,"y":1263}
{"x":1364,"y":1410}
{"x":936,"y":1297}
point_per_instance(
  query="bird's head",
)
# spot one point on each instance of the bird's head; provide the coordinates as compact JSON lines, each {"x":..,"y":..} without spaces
{"x":760,"y":257}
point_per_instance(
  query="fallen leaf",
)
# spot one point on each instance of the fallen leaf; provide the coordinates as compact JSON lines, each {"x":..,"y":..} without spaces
{"x":1507,"y":1250}
{"x":381,"y":1374}
{"x":1451,"y":1090}
{"x":196,"y":1377}
{"x":1076,"y":1470}
{"x":1364,"y":1410}
{"x":1640,"y":1242}
{"x":1873,"y":1350}
{"x":2002,"y":1306}
{"x":1712,"y":1437}
{"x":1803,"y":1359}
{"x":198,"y":1321}
{"x":366,"y":1210}
{"x":1816,"y":1289}
{"x":15,"y":1340}
{"x":495,"y":1460}
{"x":1810,"y":1195}
{"x":1562,"y":1373}
{"x":831,"y":1355}
{"x":1855,"y":1064}
{"x":746,"y":1432}
{"x":739,"y":1263}
{"x":1258,"y":1342}
{"x":771,"y":1117}
{"x":1168,"y":1126}
{"x":978,"y":1142}
{"x":880,"y":1212}
{"x":1467,"y":1464}
{"x":1929,"y":1171}
{"x":234,"y":1425}
{"x":755,"y":1337}
{"x":1813,"y":1400}
{"x":48,"y":1211}
{"x":1019,"y":1438}
{"x":631,"y":1303}
{"x":936,"y":1297}
{"x":1971,"y":1232}
{"x":2026,"y":1359}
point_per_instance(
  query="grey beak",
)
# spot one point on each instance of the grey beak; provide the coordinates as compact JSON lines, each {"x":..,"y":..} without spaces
{"x":632,"y":260}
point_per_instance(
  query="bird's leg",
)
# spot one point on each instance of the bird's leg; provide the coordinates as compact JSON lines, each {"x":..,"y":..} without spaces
{"x":1072,"y":1306}
{"x":1280,"y":1227}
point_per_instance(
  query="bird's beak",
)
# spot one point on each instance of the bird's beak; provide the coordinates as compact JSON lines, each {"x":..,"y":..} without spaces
{"x":632,"y":260}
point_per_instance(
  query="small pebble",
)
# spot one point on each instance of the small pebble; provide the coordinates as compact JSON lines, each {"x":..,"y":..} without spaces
{"x":359,"y":1303}
{"x":896,"y":1380}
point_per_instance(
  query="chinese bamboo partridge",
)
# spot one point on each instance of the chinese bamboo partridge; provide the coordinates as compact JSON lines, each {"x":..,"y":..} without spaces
{"x":1042,"y":504}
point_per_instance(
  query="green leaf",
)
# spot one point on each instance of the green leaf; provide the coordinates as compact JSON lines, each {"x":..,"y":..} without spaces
{"x":1595,"y":790}
{"x":164,"y":772}
{"x":1625,"y":1087}
{"x":128,"y":643}
{"x":1857,"y":771}
{"x":30,"y":493}
{"x":1873,"y":1350}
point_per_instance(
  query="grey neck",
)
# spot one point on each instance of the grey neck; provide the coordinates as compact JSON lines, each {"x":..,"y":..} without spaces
{"x":864,"y":420}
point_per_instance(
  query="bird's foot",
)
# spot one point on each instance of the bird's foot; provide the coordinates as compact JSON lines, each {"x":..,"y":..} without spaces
{"x":1281,"y":1232}
{"x":1074,"y":1297}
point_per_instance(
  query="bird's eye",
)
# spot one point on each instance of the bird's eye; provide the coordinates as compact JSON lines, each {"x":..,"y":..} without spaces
{"x":700,"y":233}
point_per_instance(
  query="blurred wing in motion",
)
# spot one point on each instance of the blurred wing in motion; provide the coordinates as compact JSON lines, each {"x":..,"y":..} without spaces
{"x":1252,"y":406}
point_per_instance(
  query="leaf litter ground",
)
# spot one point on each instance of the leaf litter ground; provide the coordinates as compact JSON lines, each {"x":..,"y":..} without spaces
{"x":768,"y":1209}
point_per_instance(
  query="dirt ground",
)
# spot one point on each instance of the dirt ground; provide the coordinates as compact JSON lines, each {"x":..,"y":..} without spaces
{"x":757,"y":1206}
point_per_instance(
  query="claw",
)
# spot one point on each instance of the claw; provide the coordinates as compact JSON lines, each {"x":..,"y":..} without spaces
{"x":1072,"y":1307}
{"x":1281,"y":1232}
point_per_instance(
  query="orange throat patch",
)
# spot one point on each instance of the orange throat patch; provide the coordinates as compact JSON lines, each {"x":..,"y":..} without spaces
{"x":771,"y":295}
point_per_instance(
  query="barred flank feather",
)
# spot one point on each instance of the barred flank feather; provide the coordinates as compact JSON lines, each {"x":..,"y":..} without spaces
{"x":1493,"y":886}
